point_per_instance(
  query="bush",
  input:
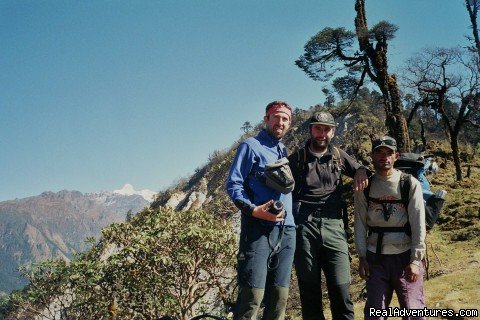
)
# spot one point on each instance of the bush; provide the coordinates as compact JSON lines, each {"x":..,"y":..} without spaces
{"x":161,"y":263}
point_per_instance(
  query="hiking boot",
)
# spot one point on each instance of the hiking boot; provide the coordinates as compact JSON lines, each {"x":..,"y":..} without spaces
{"x":275,"y":303}
{"x":248,"y":303}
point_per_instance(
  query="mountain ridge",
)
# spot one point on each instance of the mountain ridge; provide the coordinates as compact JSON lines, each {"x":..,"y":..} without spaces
{"x":55,"y":225}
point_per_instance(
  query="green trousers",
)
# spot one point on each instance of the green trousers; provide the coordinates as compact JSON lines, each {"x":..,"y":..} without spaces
{"x":322,"y":245}
{"x":250,"y":299}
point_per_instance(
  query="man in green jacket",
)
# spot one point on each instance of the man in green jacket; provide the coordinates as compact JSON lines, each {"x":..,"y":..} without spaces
{"x":321,"y":238}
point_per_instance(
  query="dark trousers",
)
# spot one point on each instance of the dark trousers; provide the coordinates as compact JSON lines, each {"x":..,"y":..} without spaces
{"x":322,"y":245}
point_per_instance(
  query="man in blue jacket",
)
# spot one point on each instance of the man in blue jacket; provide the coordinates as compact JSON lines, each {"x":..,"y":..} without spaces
{"x":267,"y":240}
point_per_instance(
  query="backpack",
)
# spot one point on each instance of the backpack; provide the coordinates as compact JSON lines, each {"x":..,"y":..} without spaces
{"x":405,"y":186}
{"x":417,"y":165}
{"x":414,"y":164}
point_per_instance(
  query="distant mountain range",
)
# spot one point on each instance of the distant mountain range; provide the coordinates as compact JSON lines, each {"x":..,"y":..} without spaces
{"x":54,"y":225}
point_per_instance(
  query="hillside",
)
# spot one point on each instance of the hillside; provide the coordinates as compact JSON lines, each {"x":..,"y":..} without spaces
{"x":452,"y":246}
{"x":172,"y":231}
{"x":54,"y":225}
{"x":206,"y":187}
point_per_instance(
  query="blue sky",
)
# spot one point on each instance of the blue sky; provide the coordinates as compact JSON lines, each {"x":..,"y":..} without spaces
{"x":96,"y":94}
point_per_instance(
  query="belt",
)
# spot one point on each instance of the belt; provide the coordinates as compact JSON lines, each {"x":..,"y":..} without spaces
{"x":318,"y":211}
{"x":313,"y":206}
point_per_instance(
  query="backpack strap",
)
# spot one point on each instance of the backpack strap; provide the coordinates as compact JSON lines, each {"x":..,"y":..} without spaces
{"x":302,"y":162}
{"x":338,"y":164}
{"x":301,"y":167}
{"x":301,"y":159}
{"x":366,"y":191}
{"x":336,"y":157}
{"x":405,"y":186}
{"x":282,"y":151}
{"x":381,"y":231}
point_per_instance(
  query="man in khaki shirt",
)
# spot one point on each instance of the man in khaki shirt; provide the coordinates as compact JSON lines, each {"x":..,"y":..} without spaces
{"x":390,"y":235}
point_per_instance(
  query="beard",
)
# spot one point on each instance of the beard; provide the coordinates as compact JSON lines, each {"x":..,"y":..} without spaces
{"x":276,"y":132}
{"x":320,"y":145}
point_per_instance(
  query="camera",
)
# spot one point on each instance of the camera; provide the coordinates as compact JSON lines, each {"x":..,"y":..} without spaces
{"x":277,"y":207}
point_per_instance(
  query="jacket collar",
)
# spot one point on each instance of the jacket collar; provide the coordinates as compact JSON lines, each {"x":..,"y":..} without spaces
{"x":264,"y":137}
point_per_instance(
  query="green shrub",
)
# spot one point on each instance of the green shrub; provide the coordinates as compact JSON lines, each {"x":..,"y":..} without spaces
{"x":161,"y":263}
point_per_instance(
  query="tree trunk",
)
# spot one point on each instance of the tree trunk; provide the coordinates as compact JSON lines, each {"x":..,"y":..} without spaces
{"x":378,"y":65}
{"x":400,"y":128}
{"x":472,"y":13}
{"x":422,"y":133}
{"x":456,"y":156}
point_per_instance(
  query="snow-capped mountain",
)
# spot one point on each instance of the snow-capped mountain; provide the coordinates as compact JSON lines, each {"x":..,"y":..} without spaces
{"x":128,"y":190}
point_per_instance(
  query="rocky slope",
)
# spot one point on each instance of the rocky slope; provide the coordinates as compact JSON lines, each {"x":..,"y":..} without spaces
{"x":55,"y":225}
{"x":206,"y":187}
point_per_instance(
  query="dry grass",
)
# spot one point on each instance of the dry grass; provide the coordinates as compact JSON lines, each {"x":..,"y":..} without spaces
{"x":453,"y":250}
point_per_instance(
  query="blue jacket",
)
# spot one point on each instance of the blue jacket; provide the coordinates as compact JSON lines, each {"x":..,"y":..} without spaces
{"x":243,"y":184}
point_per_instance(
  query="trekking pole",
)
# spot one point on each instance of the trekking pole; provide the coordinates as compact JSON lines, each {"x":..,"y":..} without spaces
{"x":427,"y":263}
{"x":440,"y":262}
